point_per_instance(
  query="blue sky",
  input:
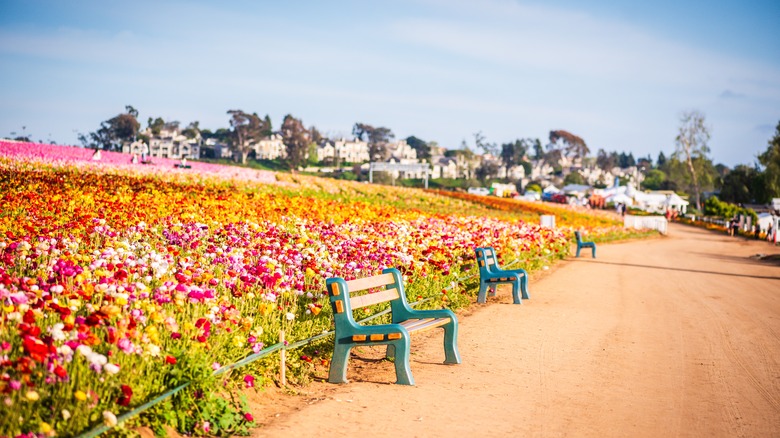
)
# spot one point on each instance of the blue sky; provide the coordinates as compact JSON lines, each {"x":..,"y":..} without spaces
{"x":617,"y":74}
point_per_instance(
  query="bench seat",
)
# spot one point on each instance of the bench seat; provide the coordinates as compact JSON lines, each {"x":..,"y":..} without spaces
{"x":491,"y":275}
{"x":396,"y":335}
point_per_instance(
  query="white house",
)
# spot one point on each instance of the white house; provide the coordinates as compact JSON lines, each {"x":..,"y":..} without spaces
{"x":444,"y":167}
{"x":345,"y":151}
{"x":270,"y":148}
{"x":169,"y":143}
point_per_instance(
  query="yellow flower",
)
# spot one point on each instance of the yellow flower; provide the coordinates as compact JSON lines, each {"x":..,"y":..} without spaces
{"x":80,"y":395}
{"x":32,"y":396}
{"x":45,"y":427}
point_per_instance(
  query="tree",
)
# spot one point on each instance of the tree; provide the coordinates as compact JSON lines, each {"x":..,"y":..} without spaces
{"x":155,"y":125}
{"x":744,"y":184}
{"x":114,"y":131}
{"x":626,"y":160}
{"x":691,"y":146}
{"x":661,"y":161}
{"x":573,"y":145}
{"x":574,"y":178}
{"x":192,"y":130}
{"x":377,"y":139}
{"x":420,"y":146}
{"x":512,"y":154}
{"x":487,"y":169}
{"x":770,"y":159}
{"x":488,"y":148}
{"x":538,"y":150}
{"x":296,"y":141}
{"x":654,"y":179}
{"x":605,"y":161}
{"x":246,"y":130}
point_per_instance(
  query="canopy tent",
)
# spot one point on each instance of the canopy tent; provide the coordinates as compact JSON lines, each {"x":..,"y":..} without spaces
{"x":675,"y":202}
{"x":620,"y":198}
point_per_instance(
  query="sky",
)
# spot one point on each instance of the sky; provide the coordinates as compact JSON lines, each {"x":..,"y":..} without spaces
{"x":618,"y":74}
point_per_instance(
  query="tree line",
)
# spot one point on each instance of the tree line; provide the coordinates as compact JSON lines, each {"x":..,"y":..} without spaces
{"x":688,"y":170}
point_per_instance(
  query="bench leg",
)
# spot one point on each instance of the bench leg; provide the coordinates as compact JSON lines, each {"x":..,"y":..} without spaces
{"x":524,"y":285}
{"x":451,"y":354}
{"x":338,"y":363}
{"x":578,"y":250}
{"x":482,"y":296}
{"x":403,"y":372}
{"x":516,"y":291}
{"x":594,"y":251}
{"x":492,"y":291}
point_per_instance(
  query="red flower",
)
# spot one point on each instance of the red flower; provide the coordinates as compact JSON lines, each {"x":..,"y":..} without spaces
{"x":127,"y":395}
{"x":35,"y":348}
{"x":60,"y":372}
{"x":170,"y":360}
{"x":248,"y":417}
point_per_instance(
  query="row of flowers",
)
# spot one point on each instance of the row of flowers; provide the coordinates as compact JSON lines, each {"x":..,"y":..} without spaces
{"x":117,"y":285}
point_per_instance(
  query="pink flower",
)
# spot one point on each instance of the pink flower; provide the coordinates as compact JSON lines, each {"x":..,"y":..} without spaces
{"x":215,"y":366}
{"x":249,"y":380}
{"x":248,"y":417}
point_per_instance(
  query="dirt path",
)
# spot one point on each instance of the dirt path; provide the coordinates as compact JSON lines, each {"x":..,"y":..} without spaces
{"x":677,"y":336}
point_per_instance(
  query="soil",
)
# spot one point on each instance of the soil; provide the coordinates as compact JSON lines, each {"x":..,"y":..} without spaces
{"x":676,"y":336}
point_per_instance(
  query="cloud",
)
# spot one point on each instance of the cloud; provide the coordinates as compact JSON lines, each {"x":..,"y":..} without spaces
{"x":728,"y":94}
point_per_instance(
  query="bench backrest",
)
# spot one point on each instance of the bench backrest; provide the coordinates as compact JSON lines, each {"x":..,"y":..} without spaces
{"x":486,"y":259}
{"x":577,"y":235}
{"x":343,"y":302}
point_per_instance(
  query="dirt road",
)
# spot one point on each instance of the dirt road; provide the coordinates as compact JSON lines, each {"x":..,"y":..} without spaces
{"x":676,"y":336}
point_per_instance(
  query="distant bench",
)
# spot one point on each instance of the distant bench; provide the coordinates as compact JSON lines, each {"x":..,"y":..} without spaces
{"x":395,"y":335}
{"x":491,"y":275}
{"x":581,"y":244}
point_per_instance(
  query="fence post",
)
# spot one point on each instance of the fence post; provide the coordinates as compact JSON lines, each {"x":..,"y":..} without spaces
{"x":282,"y":360}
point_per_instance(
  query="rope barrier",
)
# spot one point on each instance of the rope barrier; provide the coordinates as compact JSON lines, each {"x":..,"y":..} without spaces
{"x":245,"y":361}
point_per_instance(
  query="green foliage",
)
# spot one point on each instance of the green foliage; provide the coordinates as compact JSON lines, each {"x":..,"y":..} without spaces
{"x":770,"y":159}
{"x":654,"y":179}
{"x":715,"y":207}
{"x":574,"y":178}
{"x":743,"y":185}
{"x":533,"y":187}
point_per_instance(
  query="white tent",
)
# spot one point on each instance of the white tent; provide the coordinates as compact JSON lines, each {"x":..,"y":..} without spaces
{"x":677,"y":203}
{"x":620,"y":198}
{"x":551,"y":189}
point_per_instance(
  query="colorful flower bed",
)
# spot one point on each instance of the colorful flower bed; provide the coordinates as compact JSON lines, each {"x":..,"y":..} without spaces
{"x":118,"y":283}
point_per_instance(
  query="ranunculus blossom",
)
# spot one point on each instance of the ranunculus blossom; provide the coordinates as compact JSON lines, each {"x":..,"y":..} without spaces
{"x":248,"y":417}
{"x":170,"y":360}
{"x":249,"y":381}
{"x":109,"y":418}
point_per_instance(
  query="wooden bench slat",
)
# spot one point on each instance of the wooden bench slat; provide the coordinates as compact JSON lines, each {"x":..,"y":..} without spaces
{"x":417,"y":325}
{"x":369,"y":282}
{"x":374,"y":298}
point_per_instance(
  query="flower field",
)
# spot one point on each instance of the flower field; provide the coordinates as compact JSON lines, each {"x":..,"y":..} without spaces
{"x":119,"y":282}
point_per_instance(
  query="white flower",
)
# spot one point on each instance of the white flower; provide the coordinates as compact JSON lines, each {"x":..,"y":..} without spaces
{"x":65,"y":414}
{"x":290,"y":316}
{"x":84,"y":350}
{"x":109,"y":418}
{"x":111,"y":368}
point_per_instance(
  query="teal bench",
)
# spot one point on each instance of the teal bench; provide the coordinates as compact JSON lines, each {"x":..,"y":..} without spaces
{"x":387,"y":287}
{"x":491,"y":275}
{"x":581,"y":244}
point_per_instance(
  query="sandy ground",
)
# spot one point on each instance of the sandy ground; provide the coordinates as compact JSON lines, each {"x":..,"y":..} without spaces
{"x":675,"y":336}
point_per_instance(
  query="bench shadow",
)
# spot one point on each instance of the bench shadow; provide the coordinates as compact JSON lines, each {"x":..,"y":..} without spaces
{"x":735,"y":259}
{"x":666,"y":268}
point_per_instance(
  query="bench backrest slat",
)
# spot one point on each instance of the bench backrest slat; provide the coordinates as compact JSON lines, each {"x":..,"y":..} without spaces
{"x":374,"y":298}
{"x":369,"y":282}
